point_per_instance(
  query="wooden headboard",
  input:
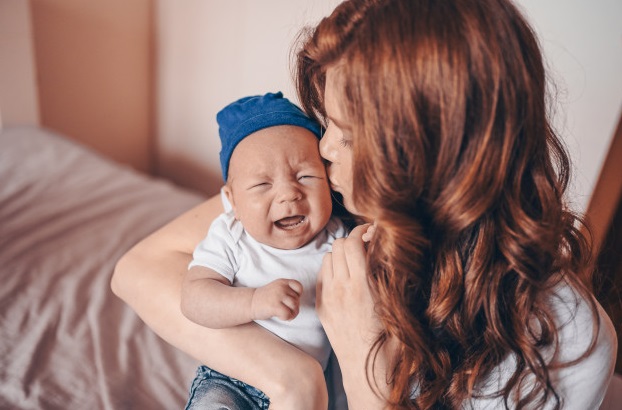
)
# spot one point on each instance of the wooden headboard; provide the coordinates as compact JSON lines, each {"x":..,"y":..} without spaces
{"x":81,"y":68}
{"x":18,"y":90}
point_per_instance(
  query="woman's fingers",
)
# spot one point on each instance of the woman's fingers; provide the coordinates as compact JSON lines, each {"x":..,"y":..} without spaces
{"x":354,"y":252}
{"x":369,"y":233}
{"x":359,"y":230}
{"x":325,"y":275}
{"x":342,"y":279}
{"x":346,"y":250}
{"x":347,"y":257}
{"x":339,"y":263}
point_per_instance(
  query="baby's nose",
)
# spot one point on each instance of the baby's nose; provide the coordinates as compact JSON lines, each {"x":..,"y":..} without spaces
{"x":289,"y":193}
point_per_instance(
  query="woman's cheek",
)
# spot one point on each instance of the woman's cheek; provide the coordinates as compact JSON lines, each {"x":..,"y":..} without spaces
{"x":348,"y":201}
{"x":348,"y":180}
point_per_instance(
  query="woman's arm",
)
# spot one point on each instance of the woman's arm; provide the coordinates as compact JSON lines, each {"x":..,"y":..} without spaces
{"x":149,"y":279}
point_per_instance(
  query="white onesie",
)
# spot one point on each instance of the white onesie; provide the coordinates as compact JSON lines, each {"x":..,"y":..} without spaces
{"x":229,"y":250}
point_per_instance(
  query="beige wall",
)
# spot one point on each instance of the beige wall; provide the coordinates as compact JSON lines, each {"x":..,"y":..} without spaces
{"x":582,"y":43}
{"x":209,"y":54}
{"x":94,"y":72}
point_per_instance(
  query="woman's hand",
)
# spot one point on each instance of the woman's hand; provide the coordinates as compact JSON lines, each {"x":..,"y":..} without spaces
{"x":347,"y":311}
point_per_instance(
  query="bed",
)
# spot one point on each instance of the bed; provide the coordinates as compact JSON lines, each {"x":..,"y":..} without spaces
{"x":66,"y":342}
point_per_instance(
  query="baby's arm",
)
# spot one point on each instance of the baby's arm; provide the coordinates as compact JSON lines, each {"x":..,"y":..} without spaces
{"x":208,"y":299}
{"x":149,"y":279}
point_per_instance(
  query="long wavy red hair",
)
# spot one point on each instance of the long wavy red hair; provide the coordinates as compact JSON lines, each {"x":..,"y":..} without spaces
{"x":456,"y":161}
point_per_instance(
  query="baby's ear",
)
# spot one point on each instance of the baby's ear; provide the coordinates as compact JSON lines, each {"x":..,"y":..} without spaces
{"x":229,"y":194}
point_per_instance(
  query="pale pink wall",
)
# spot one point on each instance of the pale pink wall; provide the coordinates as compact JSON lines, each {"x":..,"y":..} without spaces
{"x":94,"y":72}
{"x":582,"y":44}
{"x":210,"y":53}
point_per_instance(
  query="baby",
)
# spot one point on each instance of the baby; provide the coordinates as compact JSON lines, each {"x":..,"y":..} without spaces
{"x":260,"y":258}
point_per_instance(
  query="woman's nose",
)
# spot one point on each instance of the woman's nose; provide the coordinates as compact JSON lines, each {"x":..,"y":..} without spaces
{"x":328,"y":147}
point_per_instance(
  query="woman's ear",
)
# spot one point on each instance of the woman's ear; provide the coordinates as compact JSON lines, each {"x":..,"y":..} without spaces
{"x":229,"y":194}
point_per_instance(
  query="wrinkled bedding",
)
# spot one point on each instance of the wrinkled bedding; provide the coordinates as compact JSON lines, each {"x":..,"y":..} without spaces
{"x":66,"y":342}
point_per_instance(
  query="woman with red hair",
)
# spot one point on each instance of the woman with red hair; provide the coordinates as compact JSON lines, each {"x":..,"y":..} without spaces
{"x":464,"y":286}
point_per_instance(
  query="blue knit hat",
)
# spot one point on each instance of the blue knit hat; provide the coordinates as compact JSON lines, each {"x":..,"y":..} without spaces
{"x":249,"y":114}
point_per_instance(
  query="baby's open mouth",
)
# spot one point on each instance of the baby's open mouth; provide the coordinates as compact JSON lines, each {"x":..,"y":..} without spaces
{"x":291,"y":222}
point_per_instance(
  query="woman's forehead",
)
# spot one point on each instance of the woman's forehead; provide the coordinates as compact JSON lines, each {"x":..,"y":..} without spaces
{"x":332,"y":91}
{"x":333,"y":97}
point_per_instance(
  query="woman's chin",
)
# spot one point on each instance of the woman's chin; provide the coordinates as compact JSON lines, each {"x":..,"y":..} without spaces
{"x":349,"y":205}
{"x":346,"y":202}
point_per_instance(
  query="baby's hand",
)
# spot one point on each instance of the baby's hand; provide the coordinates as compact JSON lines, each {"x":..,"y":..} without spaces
{"x":279,"y":298}
{"x":369,"y":233}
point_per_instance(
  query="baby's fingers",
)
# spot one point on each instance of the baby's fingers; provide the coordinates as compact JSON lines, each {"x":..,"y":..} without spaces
{"x":295,"y":286}
{"x":290,"y":306}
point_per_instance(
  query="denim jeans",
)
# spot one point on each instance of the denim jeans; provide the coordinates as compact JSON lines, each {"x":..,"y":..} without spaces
{"x":214,"y":391}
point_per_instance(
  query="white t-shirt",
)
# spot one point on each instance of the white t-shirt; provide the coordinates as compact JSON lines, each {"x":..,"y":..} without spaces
{"x":581,"y":386}
{"x":229,"y":250}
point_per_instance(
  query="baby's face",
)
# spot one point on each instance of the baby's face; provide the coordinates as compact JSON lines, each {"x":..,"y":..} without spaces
{"x":278,"y":186}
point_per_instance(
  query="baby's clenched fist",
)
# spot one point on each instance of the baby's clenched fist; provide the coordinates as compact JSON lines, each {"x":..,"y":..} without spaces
{"x":279,"y":298}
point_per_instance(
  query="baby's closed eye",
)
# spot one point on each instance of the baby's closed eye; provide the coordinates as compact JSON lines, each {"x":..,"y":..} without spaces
{"x":259,"y":186}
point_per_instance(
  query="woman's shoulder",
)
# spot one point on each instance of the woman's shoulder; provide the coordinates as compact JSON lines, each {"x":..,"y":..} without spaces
{"x":580,"y":321}
{"x":582,"y":362}
{"x":585,"y":357}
